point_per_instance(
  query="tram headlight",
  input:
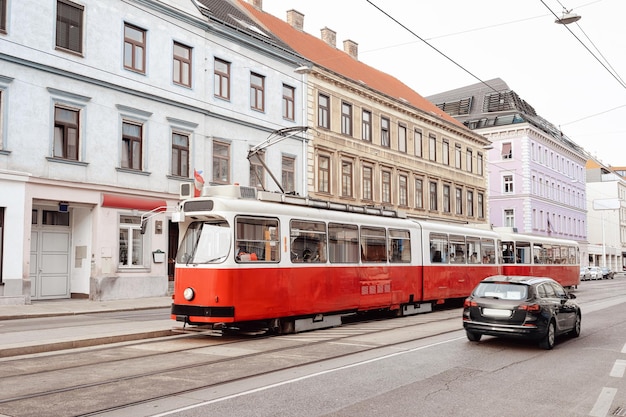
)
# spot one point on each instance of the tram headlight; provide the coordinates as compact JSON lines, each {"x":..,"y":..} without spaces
{"x":189,"y":293}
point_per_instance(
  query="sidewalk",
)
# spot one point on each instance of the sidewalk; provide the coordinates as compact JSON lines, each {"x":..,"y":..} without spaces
{"x":71,"y":330}
{"x":65,"y":307}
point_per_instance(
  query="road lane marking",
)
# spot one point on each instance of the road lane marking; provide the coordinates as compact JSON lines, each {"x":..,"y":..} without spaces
{"x":624,"y":348}
{"x":603,"y":404}
{"x":302,"y":378}
{"x":618,"y":368}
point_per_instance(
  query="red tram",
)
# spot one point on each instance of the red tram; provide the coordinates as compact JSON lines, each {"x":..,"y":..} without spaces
{"x":255,"y":259}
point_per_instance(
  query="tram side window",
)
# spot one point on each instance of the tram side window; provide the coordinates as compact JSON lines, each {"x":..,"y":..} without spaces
{"x":457,"y":249}
{"x":473,"y":248}
{"x":488,"y":248}
{"x":522,"y":253}
{"x":538,"y":257}
{"x":507,"y":250}
{"x":373,"y":244}
{"x":560,"y":255}
{"x":257,"y":239}
{"x":399,"y":246}
{"x":308,"y":241}
{"x":438,"y":248}
{"x":573,"y":255}
{"x":343,"y":243}
{"x":543,"y":253}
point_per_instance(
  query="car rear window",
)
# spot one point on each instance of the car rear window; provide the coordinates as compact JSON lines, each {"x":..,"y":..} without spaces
{"x":501,"y":290}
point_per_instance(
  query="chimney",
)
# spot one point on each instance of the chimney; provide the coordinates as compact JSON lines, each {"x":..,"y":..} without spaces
{"x":295,"y":19}
{"x":256,"y":3}
{"x":351,"y":48}
{"x":329,"y":36}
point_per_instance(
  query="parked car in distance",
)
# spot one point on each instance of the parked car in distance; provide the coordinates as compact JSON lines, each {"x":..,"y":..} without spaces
{"x":585,"y":275}
{"x":607,"y":273}
{"x":534,"y":308}
{"x":596,"y":272}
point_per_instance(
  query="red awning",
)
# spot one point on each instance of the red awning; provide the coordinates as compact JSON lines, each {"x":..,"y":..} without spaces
{"x":134,"y":203}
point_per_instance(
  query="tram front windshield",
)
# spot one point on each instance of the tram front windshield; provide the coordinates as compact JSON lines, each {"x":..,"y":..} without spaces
{"x":205,"y":242}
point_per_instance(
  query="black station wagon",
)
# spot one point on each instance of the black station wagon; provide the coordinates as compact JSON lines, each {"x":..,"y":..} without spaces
{"x":520,"y":306}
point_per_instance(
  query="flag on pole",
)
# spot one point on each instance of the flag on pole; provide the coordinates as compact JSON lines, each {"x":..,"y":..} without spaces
{"x":198,"y":182}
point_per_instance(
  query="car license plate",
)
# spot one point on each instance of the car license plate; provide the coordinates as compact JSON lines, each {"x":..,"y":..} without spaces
{"x":496,"y":312}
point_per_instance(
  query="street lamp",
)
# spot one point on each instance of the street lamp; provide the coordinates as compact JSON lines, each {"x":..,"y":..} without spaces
{"x":567,"y":18}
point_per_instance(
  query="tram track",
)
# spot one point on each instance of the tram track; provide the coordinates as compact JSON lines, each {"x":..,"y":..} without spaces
{"x":140,"y":377}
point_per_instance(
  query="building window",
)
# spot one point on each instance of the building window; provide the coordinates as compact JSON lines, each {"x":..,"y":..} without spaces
{"x":384,"y":132}
{"x":221,"y":79}
{"x":221,"y":162}
{"x":323,"y":174}
{"x":66,"y":137}
{"x":419,"y":146}
{"x":180,"y":155}
{"x":257,"y":171}
{"x":3,"y":29}
{"x":432,"y":147}
{"x":289,"y":98}
{"x":458,"y":201}
{"x":457,"y":156}
{"x":131,"y":145}
{"x":479,"y":163}
{"x":509,"y":218}
{"x":386,"y":186}
{"x":289,"y":174}
{"x":445,"y":152}
{"x":368,"y":183}
{"x":182,"y":64}
{"x":131,"y":242}
{"x":508,"y":183}
{"x":346,"y":118}
{"x":433,"y":195}
{"x":419,"y":193}
{"x":446,"y":199}
{"x":480,"y":205}
{"x":401,"y":138}
{"x":346,"y":178}
{"x":507,"y":150}
{"x":403,"y":198}
{"x":470,"y":203}
{"x":257,"y":92}
{"x":366,"y":126}
{"x":134,"y":48}
{"x":69,"y":30}
{"x":468,"y":160}
{"x":323,"y":111}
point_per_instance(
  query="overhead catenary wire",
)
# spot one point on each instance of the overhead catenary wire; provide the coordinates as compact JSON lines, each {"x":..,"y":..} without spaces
{"x":613,"y":74}
{"x":430,"y":45}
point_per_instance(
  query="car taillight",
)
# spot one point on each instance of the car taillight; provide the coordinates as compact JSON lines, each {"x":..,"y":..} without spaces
{"x":533,"y":308}
{"x":469,"y":303}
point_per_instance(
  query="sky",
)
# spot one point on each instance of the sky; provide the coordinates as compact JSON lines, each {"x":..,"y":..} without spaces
{"x":576,"y":78}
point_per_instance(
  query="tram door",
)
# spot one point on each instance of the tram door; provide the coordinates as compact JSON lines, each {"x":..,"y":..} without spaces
{"x":50,"y":254}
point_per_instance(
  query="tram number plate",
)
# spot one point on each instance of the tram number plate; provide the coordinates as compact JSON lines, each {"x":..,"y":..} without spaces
{"x":496,"y":312}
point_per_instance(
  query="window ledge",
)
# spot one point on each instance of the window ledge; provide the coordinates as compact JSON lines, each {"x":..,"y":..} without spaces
{"x":133,"y":171}
{"x":66,"y":161}
{"x":3,"y":152}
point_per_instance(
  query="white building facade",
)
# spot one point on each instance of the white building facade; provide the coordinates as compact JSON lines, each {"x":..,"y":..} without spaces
{"x":106,"y":108}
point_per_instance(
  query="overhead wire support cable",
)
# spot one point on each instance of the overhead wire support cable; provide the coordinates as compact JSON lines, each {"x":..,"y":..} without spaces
{"x":618,"y":79}
{"x":427,"y":43}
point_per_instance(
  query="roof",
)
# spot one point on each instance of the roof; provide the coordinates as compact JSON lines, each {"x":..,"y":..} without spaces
{"x":228,"y":13}
{"x":517,"y":279}
{"x":339,"y":62}
{"x":494,"y":100}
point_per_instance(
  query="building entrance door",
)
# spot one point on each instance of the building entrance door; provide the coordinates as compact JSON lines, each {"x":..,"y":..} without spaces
{"x":50,"y":255}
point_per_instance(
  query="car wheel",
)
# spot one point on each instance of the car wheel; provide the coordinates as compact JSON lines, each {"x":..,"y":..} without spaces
{"x":473,"y":337}
{"x":548,"y":340}
{"x":576,"y":329}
